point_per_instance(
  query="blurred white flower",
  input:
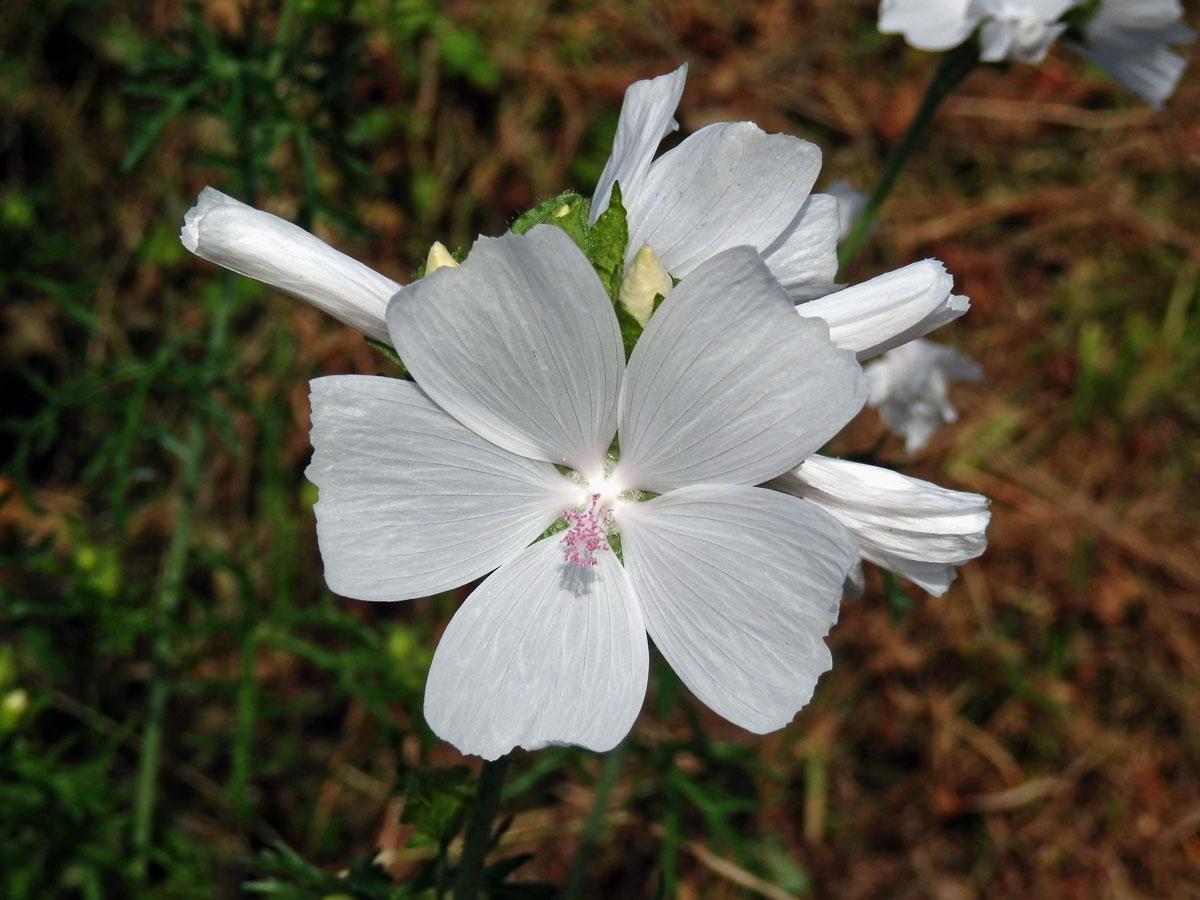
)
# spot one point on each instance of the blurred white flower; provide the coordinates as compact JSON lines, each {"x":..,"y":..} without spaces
{"x":850,"y":204}
{"x":731,"y":184}
{"x":269,"y":249}
{"x":1130,"y":39}
{"x":1020,"y":30}
{"x":519,"y":369}
{"x":909,"y":388}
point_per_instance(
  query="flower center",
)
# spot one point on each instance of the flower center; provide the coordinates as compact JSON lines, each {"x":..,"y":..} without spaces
{"x":587,"y":530}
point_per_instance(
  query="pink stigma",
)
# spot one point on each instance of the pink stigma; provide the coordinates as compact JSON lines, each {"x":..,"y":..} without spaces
{"x":586,"y":533}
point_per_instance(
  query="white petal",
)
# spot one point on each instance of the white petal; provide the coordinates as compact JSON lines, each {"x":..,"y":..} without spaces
{"x":1152,"y":74}
{"x":928,"y":24}
{"x":805,"y":259}
{"x":520,"y":343}
{"x":542,"y":652}
{"x":909,"y":388}
{"x":739,"y":587}
{"x":647,"y":116}
{"x":411,"y":502}
{"x":888,"y":310}
{"x":1024,"y":40}
{"x":913,"y":528}
{"x":727,"y":185}
{"x":724,"y":387}
{"x":269,"y":249}
{"x":1130,"y":41}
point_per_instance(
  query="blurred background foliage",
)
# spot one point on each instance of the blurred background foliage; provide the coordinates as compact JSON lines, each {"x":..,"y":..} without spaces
{"x":186,"y":711}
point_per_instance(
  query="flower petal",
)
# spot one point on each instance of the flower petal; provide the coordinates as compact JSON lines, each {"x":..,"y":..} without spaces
{"x":724,"y":387}
{"x":520,"y":343}
{"x":916,"y":529}
{"x":890,"y":309}
{"x":909,"y":386}
{"x":928,"y":24}
{"x":1130,"y":41}
{"x":805,"y":259}
{"x":647,"y":116}
{"x":739,"y":587}
{"x":411,"y":502}
{"x":727,"y":185}
{"x":269,"y":249}
{"x":542,"y":652}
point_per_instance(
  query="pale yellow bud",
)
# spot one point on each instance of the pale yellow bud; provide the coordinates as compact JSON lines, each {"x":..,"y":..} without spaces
{"x":562,"y":211}
{"x":644,"y":278}
{"x":438,"y":258}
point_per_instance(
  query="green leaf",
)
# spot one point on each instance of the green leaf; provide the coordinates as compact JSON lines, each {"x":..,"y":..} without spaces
{"x":568,"y":211}
{"x":436,"y":801}
{"x":606,"y":243}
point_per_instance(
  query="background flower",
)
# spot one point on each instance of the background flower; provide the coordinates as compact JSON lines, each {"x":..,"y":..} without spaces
{"x":909,"y":387}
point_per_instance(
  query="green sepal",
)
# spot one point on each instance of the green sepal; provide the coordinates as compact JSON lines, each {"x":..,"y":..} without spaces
{"x":568,"y":211}
{"x":606,"y":243}
{"x":631,"y":328}
{"x":392,"y":356}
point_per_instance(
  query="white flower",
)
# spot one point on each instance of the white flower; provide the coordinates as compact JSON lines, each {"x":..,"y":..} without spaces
{"x":1130,"y":39}
{"x":909,"y":388}
{"x":272,"y":250}
{"x":916,"y":529}
{"x":732,"y":184}
{"x":519,"y":369}
{"x":1020,"y":30}
{"x":850,"y":204}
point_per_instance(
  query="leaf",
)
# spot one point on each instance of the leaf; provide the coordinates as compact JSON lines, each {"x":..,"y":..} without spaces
{"x":436,"y":801}
{"x":606,"y":242}
{"x":568,"y":211}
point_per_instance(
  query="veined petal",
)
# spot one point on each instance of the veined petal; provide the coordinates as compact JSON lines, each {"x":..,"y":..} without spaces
{"x":647,"y":116}
{"x":410,"y":501}
{"x":888,"y":310}
{"x":269,"y":249}
{"x":724,"y":387}
{"x":1130,"y":40}
{"x":739,"y":587}
{"x":520,"y":343}
{"x":727,"y":185}
{"x":805,"y":260}
{"x":928,"y":24}
{"x":542,"y":652}
{"x":916,"y":529}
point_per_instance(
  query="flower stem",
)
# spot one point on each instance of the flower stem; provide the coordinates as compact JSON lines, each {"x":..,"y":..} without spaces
{"x":591,"y":827}
{"x":954,"y":67}
{"x":478,"y":838}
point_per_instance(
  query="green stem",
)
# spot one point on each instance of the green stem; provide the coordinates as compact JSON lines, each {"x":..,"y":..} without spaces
{"x":478,"y":838}
{"x":954,"y":67}
{"x":591,"y":827}
{"x":169,"y":590}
